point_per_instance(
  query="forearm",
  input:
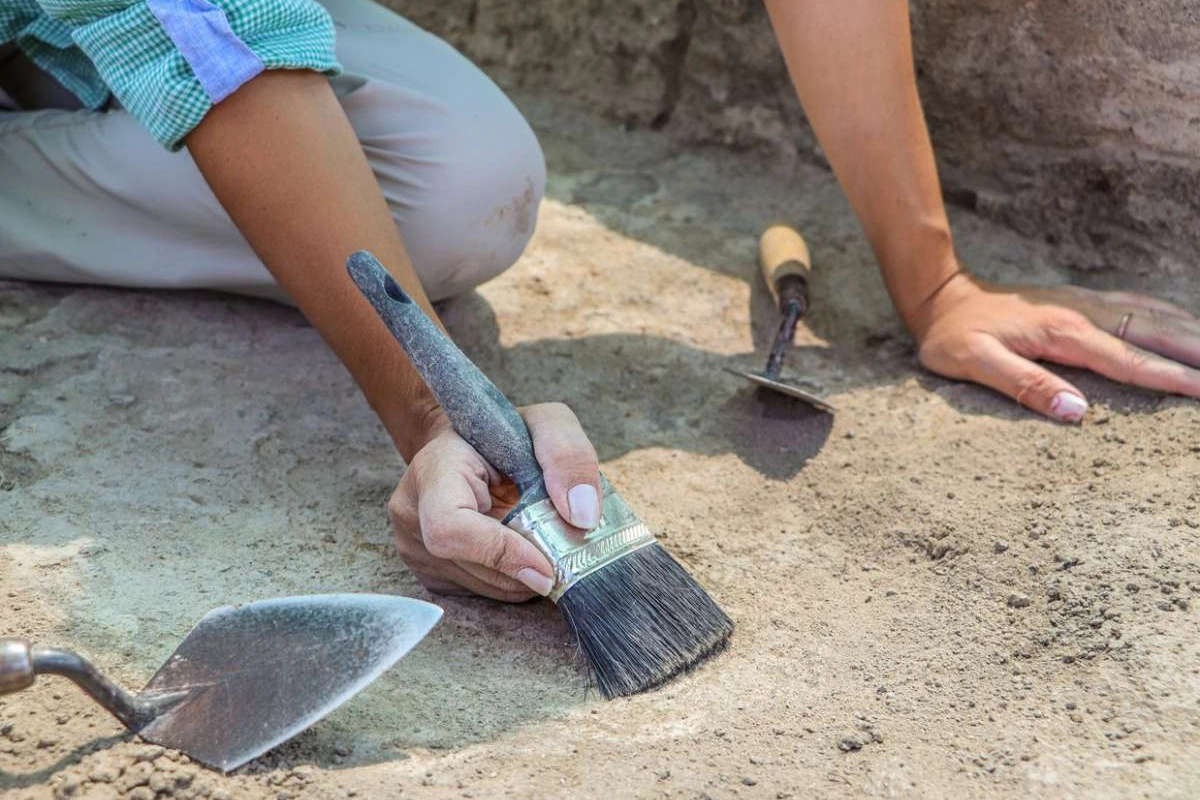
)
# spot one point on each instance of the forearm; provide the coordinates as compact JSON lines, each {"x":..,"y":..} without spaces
{"x":851,"y":63}
{"x":284,"y":162}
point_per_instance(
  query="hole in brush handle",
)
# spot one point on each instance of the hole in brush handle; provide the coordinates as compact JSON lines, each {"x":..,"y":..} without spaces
{"x":394,"y":291}
{"x":475,"y":407}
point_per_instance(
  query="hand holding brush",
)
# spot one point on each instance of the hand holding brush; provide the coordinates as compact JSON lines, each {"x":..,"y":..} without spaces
{"x":640,"y":618}
{"x":447,"y":509}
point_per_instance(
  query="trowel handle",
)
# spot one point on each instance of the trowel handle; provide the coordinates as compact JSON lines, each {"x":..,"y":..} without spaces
{"x":16,"y":666}
{"x":21,"y":663}
{"x":476,"y":408}
{"x":786,"y":265}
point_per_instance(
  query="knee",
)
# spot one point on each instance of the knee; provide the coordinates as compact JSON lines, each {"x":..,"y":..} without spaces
{"x":475,"y":205}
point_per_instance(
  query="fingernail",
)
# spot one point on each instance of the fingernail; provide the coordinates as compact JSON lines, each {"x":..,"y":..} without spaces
{"x":535,"y":580}
{"x":584,"y":505}
{"x":1068,"y":407}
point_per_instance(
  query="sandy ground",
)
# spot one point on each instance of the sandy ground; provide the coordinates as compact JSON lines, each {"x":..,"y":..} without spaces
{"x":938,"y":594}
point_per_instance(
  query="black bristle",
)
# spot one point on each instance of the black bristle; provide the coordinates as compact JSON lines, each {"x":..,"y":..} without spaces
{"x":642,"y":620}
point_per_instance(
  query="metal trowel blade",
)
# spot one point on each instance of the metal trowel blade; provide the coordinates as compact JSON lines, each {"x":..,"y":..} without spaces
{"x":253,"y":676}
{"x":785,"y":387}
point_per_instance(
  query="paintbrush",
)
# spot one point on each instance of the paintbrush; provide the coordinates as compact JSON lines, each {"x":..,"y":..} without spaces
{"x":640,"y":618}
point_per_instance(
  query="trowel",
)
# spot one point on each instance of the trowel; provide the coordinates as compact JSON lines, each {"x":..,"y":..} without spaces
{"x":247,"y":677}
{"x":786,"y":266}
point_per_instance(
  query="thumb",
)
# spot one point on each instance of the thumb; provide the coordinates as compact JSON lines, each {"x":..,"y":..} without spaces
{"x":1028,"y":383}
{"x":569,"y":463}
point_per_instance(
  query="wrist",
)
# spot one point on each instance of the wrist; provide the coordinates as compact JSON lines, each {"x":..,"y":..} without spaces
{"x":917,"y":268}
{"x":954,"y":290}
{"x":418,"y":428}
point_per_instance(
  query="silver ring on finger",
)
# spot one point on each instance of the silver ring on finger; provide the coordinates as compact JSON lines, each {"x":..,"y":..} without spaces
{"x":1124,"y":326}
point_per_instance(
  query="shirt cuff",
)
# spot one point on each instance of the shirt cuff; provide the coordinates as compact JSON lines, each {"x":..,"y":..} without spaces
{"x":170,"y":61}
{"x":48,"y":44}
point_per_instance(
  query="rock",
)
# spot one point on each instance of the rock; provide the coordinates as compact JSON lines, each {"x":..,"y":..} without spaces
{"x":67,"y":787}
{"x":148,"y":752}
{"x":1018,"y":600}
{"x":726,"y":84}
{"x":104,"y":772}
{"x":162,"y":782}
{"x":850,"y":743}
{"x":100,"y":791}
{"x":136,"y":775}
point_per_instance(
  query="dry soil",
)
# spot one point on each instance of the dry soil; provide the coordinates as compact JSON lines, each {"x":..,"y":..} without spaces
{"x":938,"y":594}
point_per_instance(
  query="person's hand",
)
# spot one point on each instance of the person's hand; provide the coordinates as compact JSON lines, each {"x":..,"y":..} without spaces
{"x":447,"y":508}
{"x":994,"y":334}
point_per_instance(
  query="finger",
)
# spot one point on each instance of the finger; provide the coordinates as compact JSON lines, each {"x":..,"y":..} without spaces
{"x":446,"y":577}
{"x":1174,"y":337}
{"x":435,"y":574}
{"x":1028,"y":383}
{"x":492,"y":583}
{"x":1121,"y":361}
{"x":572,"y":471}
{"x":453,"y":529}
{"x":1132,"y":301}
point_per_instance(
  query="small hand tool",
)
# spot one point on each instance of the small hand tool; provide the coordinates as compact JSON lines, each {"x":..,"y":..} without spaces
{"x":248,"y":677}
{"x":640,"y":618}
{"x":786,"y":266}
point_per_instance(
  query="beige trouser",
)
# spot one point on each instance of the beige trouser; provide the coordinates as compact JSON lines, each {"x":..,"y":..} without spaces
{"x":90,"y":197}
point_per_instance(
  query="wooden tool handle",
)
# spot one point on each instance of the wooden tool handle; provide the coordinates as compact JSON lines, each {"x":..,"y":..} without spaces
{"x":786,"y":264}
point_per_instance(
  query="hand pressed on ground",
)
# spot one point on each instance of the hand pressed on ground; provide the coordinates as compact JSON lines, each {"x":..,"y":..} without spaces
{"x":446,"y":510}
{"x":994,"y":335}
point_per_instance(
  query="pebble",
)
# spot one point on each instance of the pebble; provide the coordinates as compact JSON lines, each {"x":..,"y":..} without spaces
{"x":748,"y":781}
{"x":1018,"y":600}
{"x":104,"y":772}
{"x":67,"y":786}
{"x":122,"y":399}
{"x":303,"y":773}
{"x":851,"y":743}
{"x":148,"y":752}
{"x":161,"y":782}
{"x":136,"y":775}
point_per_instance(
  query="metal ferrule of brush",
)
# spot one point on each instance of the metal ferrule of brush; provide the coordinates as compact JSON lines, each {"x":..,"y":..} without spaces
{"x":574,"y":553}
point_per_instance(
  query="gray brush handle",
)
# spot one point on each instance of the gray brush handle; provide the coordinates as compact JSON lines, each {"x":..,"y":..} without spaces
{"x":476,"y":408}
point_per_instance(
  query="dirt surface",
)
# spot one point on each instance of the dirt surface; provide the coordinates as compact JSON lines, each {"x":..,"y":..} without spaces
{"x":938,"y":594}
{"x":1074,"y":123}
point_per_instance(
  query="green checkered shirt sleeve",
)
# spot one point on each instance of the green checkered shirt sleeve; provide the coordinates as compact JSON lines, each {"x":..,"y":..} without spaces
{"x":169,"y":61}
